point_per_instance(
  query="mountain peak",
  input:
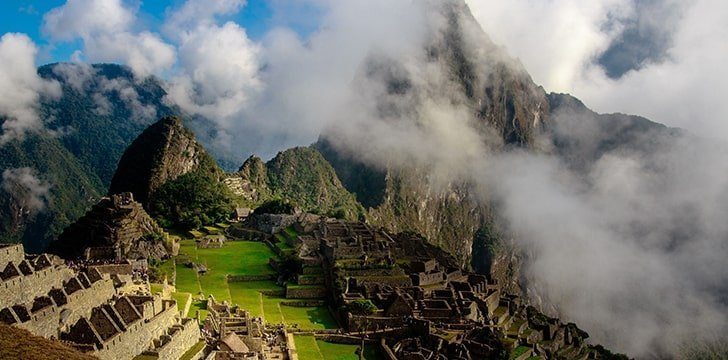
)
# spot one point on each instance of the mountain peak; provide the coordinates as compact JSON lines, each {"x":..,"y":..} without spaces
{"x":163,"y":152}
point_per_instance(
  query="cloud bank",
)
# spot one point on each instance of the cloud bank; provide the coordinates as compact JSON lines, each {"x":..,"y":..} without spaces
{"x":675,"y":53}
{"x":106,"y":28}
{"x":26,"y":188}
{"x":20,"y":87}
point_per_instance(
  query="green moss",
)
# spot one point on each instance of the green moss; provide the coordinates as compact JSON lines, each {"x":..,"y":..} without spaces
{"x":193,"y":351}
{"x":518,"y":352}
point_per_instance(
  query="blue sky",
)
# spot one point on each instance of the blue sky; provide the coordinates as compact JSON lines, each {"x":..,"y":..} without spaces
{"x":257,"y":17}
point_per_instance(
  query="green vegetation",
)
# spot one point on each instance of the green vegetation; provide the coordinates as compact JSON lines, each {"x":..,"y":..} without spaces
{"x":362,"y":307}
{"x":518,"y":352}
{"x":199,"y":306}
{"x":276,"y":206}
{"x":308,"y":347}
{"x":72,"y":189}
{"x":182,"y":299}
{"x":300,"y":177}
{"x":193,"y":200}
{"x":193,"y":351}
{"x":260,"y":298}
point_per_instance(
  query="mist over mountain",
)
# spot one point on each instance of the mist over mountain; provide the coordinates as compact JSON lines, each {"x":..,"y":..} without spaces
{"x":422,"y":123}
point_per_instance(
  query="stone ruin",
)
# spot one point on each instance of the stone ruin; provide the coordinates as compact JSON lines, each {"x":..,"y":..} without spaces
{"x":93,"y":311}
{"x":429,"y":308}
{"x":236,"y":332}
{"x":116,"y":228}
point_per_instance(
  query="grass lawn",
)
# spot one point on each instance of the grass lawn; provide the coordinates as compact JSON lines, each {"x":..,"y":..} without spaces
{"x":309,"y":317}
{"x":309,"y":348}
{"x":247,"y":294}
{"x":290,"y":232}
{"x":166,"y":268}
{"x":238,"y":258}
{"x":235,"y":258}
{"x":201,"y":306}
{"x":182,"y":299}
{"x":242,"y":258}
{"x":193,"y":351}
{"x":186,"y":280}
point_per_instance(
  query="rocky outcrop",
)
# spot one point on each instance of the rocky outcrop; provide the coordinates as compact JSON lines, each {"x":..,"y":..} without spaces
{"x":116,"y":228}
{"x":301,"y":175}
{"x":163,"y":152}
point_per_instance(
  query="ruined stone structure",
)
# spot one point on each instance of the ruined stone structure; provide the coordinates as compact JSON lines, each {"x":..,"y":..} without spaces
{"x":233,"y":334}
{"x":224,"y":320}
{"x":109,"y":315}
{"x":116,"y":228}
{"x":426,"y":307}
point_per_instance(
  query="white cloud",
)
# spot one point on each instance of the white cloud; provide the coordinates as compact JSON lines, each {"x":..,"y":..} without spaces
{"x":196,"y":13}
{"x":26,"y":188}
{"x":106,"y":28}
{"x":86,"y":18}
{"x":20,"y":87}
{"x":219,"y":72}
{"x":559,"y":41}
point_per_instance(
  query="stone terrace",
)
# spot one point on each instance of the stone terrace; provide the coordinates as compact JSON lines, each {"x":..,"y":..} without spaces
{"x":88,"y":309}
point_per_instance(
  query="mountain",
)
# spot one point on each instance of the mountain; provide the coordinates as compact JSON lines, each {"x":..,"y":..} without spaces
{"x":506,"y":108}
{"x":103,"y":107}
{"x":34,"y":216}
{"x":301,"y":175}
{"x":101,"y":110}
{"x":173,"y":177}
{"x":165,"y":151}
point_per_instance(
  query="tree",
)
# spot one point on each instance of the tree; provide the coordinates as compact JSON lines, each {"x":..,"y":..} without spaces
{"x":191,"y":201}
{"x":362,"y":307}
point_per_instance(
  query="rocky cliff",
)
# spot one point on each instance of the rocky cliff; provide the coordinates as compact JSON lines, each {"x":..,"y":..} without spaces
{"x":115,"y":228}
{"x":301,"y":175}
{"x":163,"y":152}
{"x":173,"y":177}
{"x":506,"y":108}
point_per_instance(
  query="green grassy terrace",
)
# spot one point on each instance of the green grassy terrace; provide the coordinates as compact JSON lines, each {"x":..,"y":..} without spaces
{"x":260,"y":298}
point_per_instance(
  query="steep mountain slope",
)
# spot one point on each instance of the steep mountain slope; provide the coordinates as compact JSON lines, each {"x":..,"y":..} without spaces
{"x":300,"y":175}
{"x":506,"y":108}
{"x":35,"y":216}
{"x":581,"y":136}
{"x":163,"y":152}
{"x":103,"y":107}
{"x":173,"y":177}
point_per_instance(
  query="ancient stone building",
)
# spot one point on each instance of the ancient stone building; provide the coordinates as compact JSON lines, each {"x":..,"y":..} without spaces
{"x":111,"y":316}
{"x":426,"y":307}
{"x":117,"y":228}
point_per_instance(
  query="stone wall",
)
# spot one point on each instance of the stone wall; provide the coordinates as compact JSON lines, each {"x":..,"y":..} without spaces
{"x":313,"y":292}
{"x":51,"y":321}
{"x":177,"y":341}
{"x":11,"y":253}
{"x":246,"y":278}
{"x":138,"y":336}
{"x":24,"y":288}
{"x":311,"y":279}
{"x":356,"y":323}
{"x":424,"y":279}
